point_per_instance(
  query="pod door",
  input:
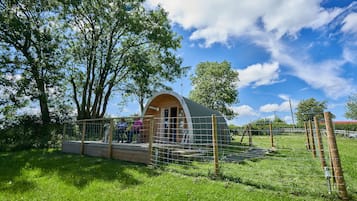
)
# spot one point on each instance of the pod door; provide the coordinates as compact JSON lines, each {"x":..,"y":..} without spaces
{"x":169,"y":124}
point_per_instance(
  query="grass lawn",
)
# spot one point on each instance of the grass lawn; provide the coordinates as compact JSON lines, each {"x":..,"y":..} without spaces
{"x":52,"y":175}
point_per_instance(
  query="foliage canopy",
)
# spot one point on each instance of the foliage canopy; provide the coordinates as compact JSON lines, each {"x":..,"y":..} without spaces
{"x":215,"y":86}
{"x":351,"y":107}
{"x":113,"y":42}
{"x":30,"y":69}
{"x":309,"y":108}
{"x":86,"y":51}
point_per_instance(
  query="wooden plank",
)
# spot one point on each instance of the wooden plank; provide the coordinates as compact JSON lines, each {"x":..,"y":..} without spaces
{"x":95,"y":150}
{"x":138,"y":153}
{"x":139,"y":147}
{"x":131,"y":155}
{"x":69,"y":147}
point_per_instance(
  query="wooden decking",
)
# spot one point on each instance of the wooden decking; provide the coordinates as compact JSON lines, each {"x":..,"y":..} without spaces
{"x":133,"y":152}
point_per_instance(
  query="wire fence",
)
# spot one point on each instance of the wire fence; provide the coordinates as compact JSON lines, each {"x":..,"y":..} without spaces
{"x":103,"y":130}
{"x":281,"y":160}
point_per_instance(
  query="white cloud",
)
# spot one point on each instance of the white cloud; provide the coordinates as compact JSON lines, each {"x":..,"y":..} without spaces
{"x":282,"y":107}
{"x":258,"y":75}
{"x":217,"y":20}
{"x":264,"y":23}
{"x":245,"y":110}
{"x":332,"y":106}
{"x":270,"y":117}
{"x":326,"y":75}
{"x":350,"y":23}
{"x":350,"y":54}
{"x":284,"y":97}
{"x":269,"y":108}
{"x":288,"y":119}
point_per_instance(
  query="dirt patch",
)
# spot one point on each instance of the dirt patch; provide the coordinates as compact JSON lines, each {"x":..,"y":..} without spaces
{"x":250,"y":154}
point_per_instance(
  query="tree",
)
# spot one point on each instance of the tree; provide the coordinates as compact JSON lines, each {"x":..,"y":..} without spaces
{"x":215,"y":86}
{"x":309,"y":108}
{"x":107,"y":38}
{"x":150,"y":77}
{"x":29,"y":48}
{"x":143,"y":89}
{"x":143,"y":92}
{"x":351,"y":107}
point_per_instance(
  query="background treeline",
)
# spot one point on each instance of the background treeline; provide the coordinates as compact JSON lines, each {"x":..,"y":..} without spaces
{"x":70,"y":58}
{"x":26,"y":132}
{"x":348,"y":127}
{"x":261,"y":126}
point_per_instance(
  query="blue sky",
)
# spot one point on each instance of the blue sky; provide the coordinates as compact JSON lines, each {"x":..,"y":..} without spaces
{"x":282,"y":50}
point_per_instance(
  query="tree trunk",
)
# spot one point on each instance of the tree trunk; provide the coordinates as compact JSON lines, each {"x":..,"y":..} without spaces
{"x":141,"y":102}
{"x":45,"y":114}
{"x":40,"y":85}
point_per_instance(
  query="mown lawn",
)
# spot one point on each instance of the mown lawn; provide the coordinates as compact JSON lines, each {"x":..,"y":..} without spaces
{"x":348,"y":156}
{"x":52,"y":175}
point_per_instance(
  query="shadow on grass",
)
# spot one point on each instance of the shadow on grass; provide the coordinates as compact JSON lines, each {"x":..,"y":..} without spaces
{"x":18,"y":186}
{"x":74,"y":170}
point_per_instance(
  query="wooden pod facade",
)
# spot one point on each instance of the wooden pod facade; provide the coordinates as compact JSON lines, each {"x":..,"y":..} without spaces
{"x":179,"y":119}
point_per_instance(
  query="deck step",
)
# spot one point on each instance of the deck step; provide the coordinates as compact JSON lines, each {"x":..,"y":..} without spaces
{"x":197,"y":155}
{"x":185,"y":151}
{"x":190,"y":154}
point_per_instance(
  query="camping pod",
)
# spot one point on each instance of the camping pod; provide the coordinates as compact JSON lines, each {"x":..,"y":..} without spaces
{"x":181,"y":120}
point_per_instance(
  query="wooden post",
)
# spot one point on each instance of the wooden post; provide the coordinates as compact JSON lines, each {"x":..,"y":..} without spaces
{"x":110,"y":145}
{"x":271,"y":135}
{"x":250,"y":135}
{"x":337,"y":167}
{"x":312,"y":139}
{"x":151,"y":139}
{"x":101,"y":128}
{"x":308,"y":147}
{"x":215,"y":145}
{"x":245,"y":130}
{"x":83,"y":135}
{"x":320,"y":143}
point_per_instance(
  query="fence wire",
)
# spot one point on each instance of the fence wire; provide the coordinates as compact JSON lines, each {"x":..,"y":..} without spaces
{"x":98,"y":130}
{"x":286,"y":164}
{"x":274,"y":159}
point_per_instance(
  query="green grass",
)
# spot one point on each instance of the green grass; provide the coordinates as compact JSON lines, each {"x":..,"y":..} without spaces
{"x":348,"y":153}
{"x":52,"y":175}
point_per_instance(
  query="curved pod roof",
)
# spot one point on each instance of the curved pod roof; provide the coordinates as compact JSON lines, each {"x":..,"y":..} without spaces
{"x":192,"y":110}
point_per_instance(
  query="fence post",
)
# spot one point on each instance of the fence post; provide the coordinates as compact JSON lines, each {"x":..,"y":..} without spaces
{"x":250,"y":135}
{"x":271,"y":135}
{"x":215,"y":144}
{"x":245,"y":130}
{"x":308,"y":147}
{"x":110,"y":145}
{"x":312,"y":139}
{"x":151,"y":137}
{"x":101,"y":128}
{"x":337,"y":167}
{"x":320,"y":143}
{"x":82,"y":139}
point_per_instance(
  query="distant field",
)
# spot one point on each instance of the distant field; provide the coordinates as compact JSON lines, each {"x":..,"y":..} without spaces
{"x":52,"y":175}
